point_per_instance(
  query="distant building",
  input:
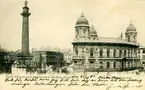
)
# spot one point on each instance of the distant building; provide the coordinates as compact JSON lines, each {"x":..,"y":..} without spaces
{"x":5,"y":61}
{"x":141,"y":55}
{"x":68,"y":56}
{"x":94,"y":53}
{"x":45,"y":58}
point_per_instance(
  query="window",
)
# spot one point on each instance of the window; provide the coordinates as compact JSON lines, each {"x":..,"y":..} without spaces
{"x":128,"y":53}
{"x":131,"y":52}
{"x":91,"y":53}
{"x":143,"y":51}
{"x":77,"y":32}
{"x":139,"y":56}
{"x":143,"y":57}
{"x":134,"y":51}
{"x":138,"y":51}
{"x":143,"y":62}
{"x":128,"y":38}
{"x":108,"y":64}
{"x":82,"y":50}
{"x":114,"y":64}
{"x":101,"y":64}
{"x":120,"y":53}
{"x":76,"y":50}
{"x":108,"y":52}
{"x":134,"y":37}
{"x":128,"y":63}
{"x":114,"y":52}
{"x":84,"y":31}
{"x":75,"y":61}
{"x":101,"y":53}
{"x":124,"y":53}
{"x":91,"y":61}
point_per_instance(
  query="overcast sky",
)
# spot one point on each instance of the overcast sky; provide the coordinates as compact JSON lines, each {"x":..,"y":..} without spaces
{"x":52,"y":21}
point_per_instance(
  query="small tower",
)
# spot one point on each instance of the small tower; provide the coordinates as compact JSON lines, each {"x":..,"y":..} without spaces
{"x":82,"y":28}
{"x":25,"y":29}
{"x":121,"y":36}
{"x":131,"y":33}
{"x":93,"y":34}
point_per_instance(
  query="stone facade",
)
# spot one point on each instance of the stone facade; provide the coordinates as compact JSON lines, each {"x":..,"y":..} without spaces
{"x":93,"y":53}
{"x":141,"y":55}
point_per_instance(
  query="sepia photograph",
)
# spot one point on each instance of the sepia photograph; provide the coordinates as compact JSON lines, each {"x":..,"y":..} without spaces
{"x":72,"y":44}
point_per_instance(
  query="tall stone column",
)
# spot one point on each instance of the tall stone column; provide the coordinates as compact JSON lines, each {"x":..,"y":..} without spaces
{"x":25,"y":30}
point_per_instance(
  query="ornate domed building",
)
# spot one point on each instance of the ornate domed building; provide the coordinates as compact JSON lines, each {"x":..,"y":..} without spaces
{"x":94,"y":53}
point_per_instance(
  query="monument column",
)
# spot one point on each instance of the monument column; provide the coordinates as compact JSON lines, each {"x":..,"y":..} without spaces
{"x":25,"y":30}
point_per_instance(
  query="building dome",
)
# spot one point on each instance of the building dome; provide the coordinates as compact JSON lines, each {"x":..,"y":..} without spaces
{"x":131,"y":27}
{"x":93,"y":31}
{"x":82,"y":20}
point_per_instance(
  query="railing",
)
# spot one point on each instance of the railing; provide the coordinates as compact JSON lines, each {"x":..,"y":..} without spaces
{"x":115,"y":57}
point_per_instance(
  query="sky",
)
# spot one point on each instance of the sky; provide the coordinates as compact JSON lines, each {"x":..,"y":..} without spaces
{"x":52,"y":21}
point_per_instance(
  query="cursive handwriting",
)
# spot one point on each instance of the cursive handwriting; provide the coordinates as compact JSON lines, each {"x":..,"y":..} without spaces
{"x":107,"y":81}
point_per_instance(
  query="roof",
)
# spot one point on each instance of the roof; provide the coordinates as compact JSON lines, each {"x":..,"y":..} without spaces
{"x":107,"y":40}
{"x":142,"y":47}
{"x":82,"y":20}
{"x":131,"y":27}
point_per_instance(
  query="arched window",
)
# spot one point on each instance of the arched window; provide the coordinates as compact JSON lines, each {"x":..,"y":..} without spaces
{"x":91,"y":53}
{"x":101,"y":53}
{"x":114,"y":52}
{"x":114,"y":64}
{"x":108,"y":64}
{"x":76,"y":50}
{"x":108,"y":52}
{"x":101,"y":64}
